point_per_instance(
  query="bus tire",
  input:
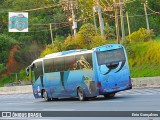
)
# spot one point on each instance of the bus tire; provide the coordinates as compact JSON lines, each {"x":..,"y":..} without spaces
{"x":109,"y":95}
{"x":45,"y":96}
{"x":81,"y":94}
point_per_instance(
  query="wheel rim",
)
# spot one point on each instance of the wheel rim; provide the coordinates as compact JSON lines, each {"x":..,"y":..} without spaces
{"x":80,"y":94}
{"x":45,"y":96}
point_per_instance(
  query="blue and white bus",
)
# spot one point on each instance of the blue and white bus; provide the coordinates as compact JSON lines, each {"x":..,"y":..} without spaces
{"x":81,"y":73}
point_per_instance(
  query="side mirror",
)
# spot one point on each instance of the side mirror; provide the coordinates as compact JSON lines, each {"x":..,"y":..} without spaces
{"x":27,"y":71}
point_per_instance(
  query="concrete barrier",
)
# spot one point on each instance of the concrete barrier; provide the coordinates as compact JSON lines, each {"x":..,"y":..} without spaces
{"x":16,"y":89}
{"x":145,"y":82}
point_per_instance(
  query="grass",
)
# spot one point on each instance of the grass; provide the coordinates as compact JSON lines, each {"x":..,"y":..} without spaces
{"x":157,"y":37}
{"x":144,"y":59}
{"x":6,"y":80}
{"x":145,"y":71}
{"x":12,"y":78}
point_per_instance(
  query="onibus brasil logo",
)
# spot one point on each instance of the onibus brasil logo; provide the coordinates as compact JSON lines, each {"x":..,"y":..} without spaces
{"x":18,"y":22}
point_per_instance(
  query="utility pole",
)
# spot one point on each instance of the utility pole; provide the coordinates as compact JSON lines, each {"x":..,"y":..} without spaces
{"x":95,"y":25}
{"x":73,"y":19}
{"x":51,"y":32}
{"x":116,"y":22}
{"x":122,"y":21}
{"x":101,"y":22}
{"x":145,"y":10}
{"x":129,"y":31}
{"x":71,"y":7}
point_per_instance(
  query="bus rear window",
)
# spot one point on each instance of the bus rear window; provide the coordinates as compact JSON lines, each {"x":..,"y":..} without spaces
{"x":111,"y":56}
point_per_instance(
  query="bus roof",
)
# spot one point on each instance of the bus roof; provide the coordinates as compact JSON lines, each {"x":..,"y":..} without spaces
{"x":68,"y":53}
{"x":76,"y":52}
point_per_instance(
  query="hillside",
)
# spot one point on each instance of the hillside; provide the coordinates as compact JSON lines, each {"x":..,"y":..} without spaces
{"x":144,"y":59}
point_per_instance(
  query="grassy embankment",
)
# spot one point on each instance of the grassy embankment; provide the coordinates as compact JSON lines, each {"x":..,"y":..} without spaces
{"x":144,"y":58}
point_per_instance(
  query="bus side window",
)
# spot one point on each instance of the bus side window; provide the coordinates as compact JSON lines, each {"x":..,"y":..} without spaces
{"x":81,"y":61}
{"x":48,"y":65}
{"x":69,"y":63}
{"x":37,"y":70}
{"x":89,"y":60}
{"x":58,"y":64}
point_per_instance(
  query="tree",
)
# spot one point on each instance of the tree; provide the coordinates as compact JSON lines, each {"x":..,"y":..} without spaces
{"x":6,"y":43}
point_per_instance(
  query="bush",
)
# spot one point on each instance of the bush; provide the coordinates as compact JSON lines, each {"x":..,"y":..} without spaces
{"x":56,"y":47}
{"x":6,"y":43}
{"x":142,"y":35}
{"x":144,"y":58}
{"x":3,"y":68}
{"x":27,"y":54}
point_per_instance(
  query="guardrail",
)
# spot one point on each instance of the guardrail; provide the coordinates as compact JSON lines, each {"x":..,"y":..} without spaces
{"x":145,"y":82}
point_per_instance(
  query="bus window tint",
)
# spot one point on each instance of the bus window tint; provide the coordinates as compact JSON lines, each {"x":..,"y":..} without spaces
{"x":37,"y":68}
{"x":58,"y":64}
{"x":69,"y":63}
{"x":111,"y":56}
{"x":82,"y":61}
{"x":48,"y":65}
{"x":89,"y":59}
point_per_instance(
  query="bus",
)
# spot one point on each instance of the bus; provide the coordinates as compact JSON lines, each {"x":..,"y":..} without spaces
{"x":81,"y":73}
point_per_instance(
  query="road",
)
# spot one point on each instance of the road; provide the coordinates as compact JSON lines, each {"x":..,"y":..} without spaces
{"x":131,"y":100}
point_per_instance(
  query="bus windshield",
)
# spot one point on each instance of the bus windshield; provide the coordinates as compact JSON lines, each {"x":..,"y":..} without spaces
{"x":111,"y":56}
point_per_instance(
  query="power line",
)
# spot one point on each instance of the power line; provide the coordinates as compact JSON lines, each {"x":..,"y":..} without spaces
{"x":153,"y":10}
{"x":44,"y":7}
{"x":103,"y":3}
{"x":88,"y":17}
{"x":40,"y":31}
{"x":47,"y":24}
{"x":129,"y":1}
{"x":109,"y":3}
{"x":64,"y":25}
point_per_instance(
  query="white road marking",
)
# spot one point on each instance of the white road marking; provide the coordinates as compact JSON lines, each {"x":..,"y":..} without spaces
{"x":58,"y":109}
{"x":157,"y":110}
{"x":107,"y":101}
{"x":20,"y":103}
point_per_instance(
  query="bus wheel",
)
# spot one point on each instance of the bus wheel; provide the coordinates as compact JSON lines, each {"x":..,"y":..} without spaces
{"x":45,"y":96}
{"x":109,"y":95}
{"x":80,"y":93}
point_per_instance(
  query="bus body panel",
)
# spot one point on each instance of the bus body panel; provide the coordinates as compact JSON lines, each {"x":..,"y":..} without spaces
{"x":65,"y":84}
{"x":37,"y":86}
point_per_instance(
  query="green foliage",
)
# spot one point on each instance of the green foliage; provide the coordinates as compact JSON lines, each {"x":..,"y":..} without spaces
{"x":157,"y":37}
{"x":3,"y":68}
{"x":109,"y":32}
{"x":56,"y":47}
{"x":86,"y":39}
{"x":144,"y":58}
{"x":59,"y":38}
{"x":142,"y":35}
{"x":87,"y":30}
{"x":5,"y":80}
{"x":8,"y":79}
{"x":137,"y":20}
{"x":6,"y":43}
{"x":27,"y":54}
{"x":22,"y":75}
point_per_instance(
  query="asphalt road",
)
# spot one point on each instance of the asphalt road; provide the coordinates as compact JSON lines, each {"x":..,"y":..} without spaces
{"x":131,"y":100}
